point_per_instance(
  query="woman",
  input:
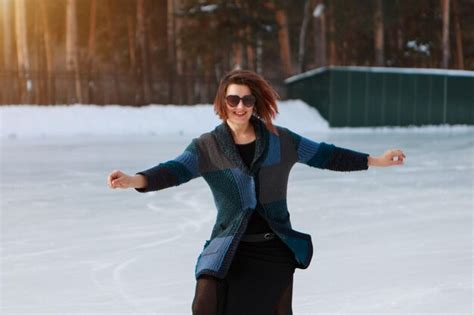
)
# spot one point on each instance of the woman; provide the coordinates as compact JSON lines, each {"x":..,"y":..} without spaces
{"x":247,"y":265}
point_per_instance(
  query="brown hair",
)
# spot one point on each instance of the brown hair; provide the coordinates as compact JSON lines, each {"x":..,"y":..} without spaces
{"x":265,"y":107}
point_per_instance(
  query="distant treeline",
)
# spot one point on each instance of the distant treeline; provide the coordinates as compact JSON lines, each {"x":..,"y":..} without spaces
{"x":175,"y":51}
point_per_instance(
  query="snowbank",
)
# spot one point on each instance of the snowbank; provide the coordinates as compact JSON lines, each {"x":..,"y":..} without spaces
{"x":31,"y":121}
{"x":42,"y":121}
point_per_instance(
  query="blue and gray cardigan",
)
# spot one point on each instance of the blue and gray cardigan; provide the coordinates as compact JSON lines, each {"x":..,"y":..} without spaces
{"x":214,"y":156}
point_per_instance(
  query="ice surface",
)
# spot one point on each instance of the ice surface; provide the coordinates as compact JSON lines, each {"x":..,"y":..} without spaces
{"x":387,"y":240}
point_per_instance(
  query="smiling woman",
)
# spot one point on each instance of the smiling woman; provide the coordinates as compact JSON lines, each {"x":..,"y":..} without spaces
{"x":247,"y":264}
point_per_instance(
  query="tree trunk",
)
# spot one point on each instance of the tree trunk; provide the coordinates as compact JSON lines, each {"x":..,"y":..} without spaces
{"x":319,"y":35}
{"x":458,"y":32}
{"x":237,"y":49}
{"x":22,"y":51}
{"x":250,"y":49}
{"x":180,"y":22}
{"x":7,"y":38}
{"x":259,"y":55}
{"x":132,"y":59}
{"x":379,"y":34}
{"x":446,"y":56}
{"x":302,"y":38}
{"x":333,"y":56}
{"x":37,"y":88}
{"x":171,"y":51}
{"x":91,"y":86}
{"x":399,"y":30}
{"x":284,"y":41}
{"x":283,"y":37}
{"x":114,"y":88}
{"x":205,"y":82}
{"x":141,"y":35}
{"x":72,"y":57}
{"x":7,"y":47}
{"x":345,"y":53}
{"x":189,"y":66}
{"x":50,"y":99}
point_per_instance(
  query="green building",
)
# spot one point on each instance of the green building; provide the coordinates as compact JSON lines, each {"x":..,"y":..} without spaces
{"x":371,"y":96}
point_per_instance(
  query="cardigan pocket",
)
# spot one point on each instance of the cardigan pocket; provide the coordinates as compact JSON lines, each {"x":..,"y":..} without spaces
{"x":211,"y":247}
{"x":206,"y":251}
{"x":216,"y":245}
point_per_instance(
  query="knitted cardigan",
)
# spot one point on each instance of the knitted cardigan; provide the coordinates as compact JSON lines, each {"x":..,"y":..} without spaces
{"x":214,"y":156}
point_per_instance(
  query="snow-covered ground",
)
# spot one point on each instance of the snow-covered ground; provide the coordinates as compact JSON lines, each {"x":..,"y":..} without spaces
{"x":387,"y":240}
{"x":54,"y":121}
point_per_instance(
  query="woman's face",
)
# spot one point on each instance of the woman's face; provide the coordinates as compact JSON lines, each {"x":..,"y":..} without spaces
{"x":239,"y":114}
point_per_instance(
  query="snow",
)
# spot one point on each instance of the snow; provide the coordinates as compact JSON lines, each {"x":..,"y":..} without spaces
{"x":386,"y":240}
{"x":29,"y":85}
{"x":310,"y":73}
{"x":209,"y":8}
{"x":419,"y":47}
{"x":318,"y":10}
{"x":53,"y":121}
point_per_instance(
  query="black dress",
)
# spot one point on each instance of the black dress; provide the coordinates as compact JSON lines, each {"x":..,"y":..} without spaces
{"x":260,"y":278}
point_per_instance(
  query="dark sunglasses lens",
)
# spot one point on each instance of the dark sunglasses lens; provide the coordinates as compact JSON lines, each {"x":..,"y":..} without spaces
{"x":249,"y":100}
{"x":233,"y":100}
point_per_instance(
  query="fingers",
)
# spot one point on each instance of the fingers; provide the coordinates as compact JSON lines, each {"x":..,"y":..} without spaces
{"x":116,"y":183}
{"x":113,"y":180}
{"x":399,"y":153}
{"x":109,"y":180}
{"x":393,"y":157}
{"x":400,"y":157}
{"x":399,"y":162}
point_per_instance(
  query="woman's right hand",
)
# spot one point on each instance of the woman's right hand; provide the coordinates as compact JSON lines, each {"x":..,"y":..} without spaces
{"x":118,"y":179}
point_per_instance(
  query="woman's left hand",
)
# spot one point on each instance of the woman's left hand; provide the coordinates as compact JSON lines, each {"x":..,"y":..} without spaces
{"x":387,"y":159}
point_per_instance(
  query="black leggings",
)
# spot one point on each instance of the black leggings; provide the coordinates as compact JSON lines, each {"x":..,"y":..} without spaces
{"x":253,"y":285}
{"x":210,"y":298}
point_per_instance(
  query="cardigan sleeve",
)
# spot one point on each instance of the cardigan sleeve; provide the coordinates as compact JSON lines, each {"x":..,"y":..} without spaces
{"x":328,"y":156}
{"x":173,"y":172}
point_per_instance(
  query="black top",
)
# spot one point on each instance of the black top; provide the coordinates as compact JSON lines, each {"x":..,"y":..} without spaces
{"x":256,"y":224}
{"x":272,"y":251}
{"x":247,"y":152}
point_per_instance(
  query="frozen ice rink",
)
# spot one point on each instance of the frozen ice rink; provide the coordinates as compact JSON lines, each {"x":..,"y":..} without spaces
{"x":386,"y":240}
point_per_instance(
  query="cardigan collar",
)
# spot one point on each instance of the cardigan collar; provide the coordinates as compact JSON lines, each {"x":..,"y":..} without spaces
{"x":223,"y":135}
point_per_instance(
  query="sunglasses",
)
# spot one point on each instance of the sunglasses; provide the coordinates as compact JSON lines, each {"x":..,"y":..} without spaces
{"x":234,"y":100}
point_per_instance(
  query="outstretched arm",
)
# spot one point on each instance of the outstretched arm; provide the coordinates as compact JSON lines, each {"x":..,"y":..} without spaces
{"x":171,"y":173}
{"x":328,"y":156}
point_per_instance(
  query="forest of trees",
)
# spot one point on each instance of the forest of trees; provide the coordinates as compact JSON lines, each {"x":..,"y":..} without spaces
{"x":138,"y":52}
